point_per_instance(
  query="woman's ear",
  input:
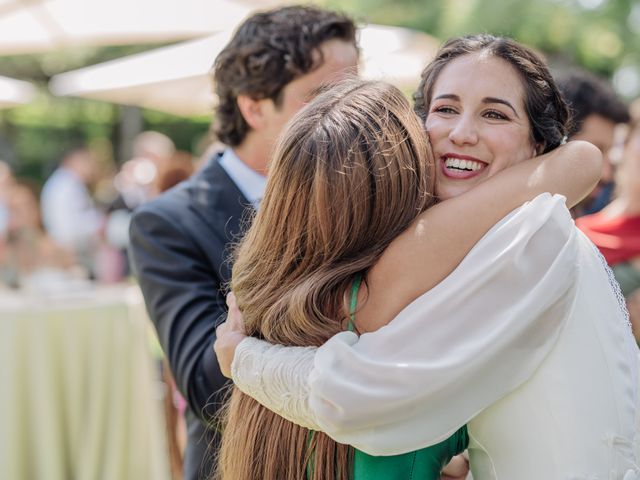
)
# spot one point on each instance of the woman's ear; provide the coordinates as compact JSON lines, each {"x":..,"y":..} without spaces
{"x":252,"y":111}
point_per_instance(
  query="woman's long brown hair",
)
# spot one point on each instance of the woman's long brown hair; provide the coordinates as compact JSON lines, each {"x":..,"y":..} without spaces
{"x":351,"y":172}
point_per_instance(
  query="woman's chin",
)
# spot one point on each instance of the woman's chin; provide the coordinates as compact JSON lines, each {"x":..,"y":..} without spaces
{"x":447,"y":190}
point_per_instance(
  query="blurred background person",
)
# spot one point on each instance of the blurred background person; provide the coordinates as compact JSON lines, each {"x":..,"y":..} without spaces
{"x":68,"y":211}
{"x":616,"y":229}
{"x":32,"y":260}
{"x":155,"y":167}
{"x":179,"y":167}
{"x":6,"y":180}
{"x":595,"y":110}
{"x":137,"y":180}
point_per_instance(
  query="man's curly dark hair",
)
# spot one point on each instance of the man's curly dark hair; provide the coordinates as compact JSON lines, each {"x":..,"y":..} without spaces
{"x":268,"y":51}
{"x":587,"y":95}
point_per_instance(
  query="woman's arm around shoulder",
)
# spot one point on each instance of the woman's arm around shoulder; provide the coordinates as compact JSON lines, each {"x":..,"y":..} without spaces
{"x":439,"y":239}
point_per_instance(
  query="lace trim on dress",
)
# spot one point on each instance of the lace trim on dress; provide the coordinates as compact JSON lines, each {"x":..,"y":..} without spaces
{"x":615,"y":286}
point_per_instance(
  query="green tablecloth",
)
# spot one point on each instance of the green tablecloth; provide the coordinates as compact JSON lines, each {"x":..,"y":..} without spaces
{"x":79,"y":398}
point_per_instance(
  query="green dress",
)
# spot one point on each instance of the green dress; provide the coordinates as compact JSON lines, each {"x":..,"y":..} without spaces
{"x":424,"y":464}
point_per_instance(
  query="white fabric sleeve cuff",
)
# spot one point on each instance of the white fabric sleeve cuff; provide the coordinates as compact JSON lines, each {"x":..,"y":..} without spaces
{"x":277,"y":377}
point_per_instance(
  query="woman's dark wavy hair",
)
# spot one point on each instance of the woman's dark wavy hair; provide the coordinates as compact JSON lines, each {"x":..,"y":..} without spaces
{"x":547,"y":111}
{"x":268,"y":51}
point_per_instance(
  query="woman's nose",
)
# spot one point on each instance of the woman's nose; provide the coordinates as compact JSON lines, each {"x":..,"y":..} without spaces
{"x":464,"y":132}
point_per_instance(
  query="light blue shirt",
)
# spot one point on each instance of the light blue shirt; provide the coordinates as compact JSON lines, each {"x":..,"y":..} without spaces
{"x":249,"y":182}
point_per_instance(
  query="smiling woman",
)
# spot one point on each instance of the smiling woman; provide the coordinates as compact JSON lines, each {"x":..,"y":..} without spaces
{"x":478,"y":125}
{"x":488,"y":104}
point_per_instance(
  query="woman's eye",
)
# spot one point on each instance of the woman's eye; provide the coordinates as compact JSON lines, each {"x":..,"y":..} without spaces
{"x":496,"y":115}
{"x":444,"y":109}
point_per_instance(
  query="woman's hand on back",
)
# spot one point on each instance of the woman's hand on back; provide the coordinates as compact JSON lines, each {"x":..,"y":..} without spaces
{"x":228,"y":336}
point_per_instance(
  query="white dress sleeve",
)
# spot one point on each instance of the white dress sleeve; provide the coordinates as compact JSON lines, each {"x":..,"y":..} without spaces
{"x":466,"y":343}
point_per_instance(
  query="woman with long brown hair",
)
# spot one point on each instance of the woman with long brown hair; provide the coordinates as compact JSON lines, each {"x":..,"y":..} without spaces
{"x":349,"y":187}
{"x":350,"y":176}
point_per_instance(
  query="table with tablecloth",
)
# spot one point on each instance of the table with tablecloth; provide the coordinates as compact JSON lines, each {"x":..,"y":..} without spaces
{"x":79,"y":395}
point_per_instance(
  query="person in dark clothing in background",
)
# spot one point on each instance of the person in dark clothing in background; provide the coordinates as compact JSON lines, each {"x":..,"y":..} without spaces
{"x":595,"y":110}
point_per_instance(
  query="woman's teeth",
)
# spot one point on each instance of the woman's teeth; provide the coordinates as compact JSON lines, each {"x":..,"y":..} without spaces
{"x":459,"y":164}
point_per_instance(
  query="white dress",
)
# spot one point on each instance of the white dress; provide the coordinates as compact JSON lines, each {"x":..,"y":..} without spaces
{"x":578,"y":410}
{"x":526,"y":341}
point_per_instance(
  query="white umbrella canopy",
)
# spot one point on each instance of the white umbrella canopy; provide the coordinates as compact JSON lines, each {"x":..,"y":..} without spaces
{"x":176,"y":79}
{"x":172,"y":79}
{"x":32,"y":26}
{"x":15,"y":92}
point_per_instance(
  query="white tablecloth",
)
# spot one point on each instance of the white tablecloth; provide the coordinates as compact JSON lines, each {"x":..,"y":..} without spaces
{"x":79,"y":397}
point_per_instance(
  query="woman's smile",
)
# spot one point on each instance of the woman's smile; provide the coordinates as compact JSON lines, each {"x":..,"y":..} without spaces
{"x":455,"y":166}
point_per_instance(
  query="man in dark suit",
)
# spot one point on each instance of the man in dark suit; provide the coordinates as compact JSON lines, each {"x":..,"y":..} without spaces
{"x":180,"y":241}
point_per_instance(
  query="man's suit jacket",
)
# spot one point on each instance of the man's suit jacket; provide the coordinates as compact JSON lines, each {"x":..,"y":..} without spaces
{"x":180,"y":246}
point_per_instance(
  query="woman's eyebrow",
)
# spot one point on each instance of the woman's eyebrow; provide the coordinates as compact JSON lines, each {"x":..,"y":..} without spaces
{"x":502,"y":101}
{"x":448,"y":96}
